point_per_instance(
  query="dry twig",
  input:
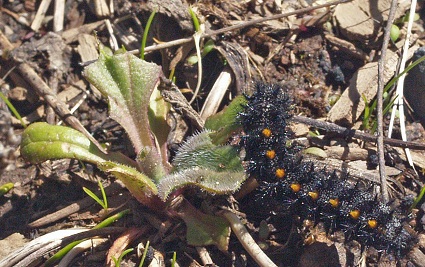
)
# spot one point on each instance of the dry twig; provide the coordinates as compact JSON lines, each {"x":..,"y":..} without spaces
{"x":246,"y":240}
{"x":350,"y":133}
{"x":379,"y":107}
{"x":238,"y":26}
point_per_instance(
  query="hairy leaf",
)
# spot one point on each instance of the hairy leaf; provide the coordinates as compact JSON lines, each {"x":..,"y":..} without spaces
{"x":216,"y":169}
{"x":128,"y":82}
{"x":211,"y":181}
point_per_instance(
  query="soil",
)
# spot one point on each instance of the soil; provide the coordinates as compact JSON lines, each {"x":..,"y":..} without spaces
{"x":311,"y":54}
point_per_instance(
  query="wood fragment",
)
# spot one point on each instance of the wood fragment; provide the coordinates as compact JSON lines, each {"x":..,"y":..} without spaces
{"x":350,"y":133}
{"x":346,"y":153}
{"x":32,"y":117}
{"x":350,"y":106}
{"x":71,"y":35}
{"x":246,"y":240}
{"x":362,"y":20}
{"x":59,"y":15}
{"x":379,"y":107}
{"x":87,"y":47}
{"x":17,"y":17}
{"x":216,"y":95}
{"x":122,"y":242}
{"x":205,"y":256}
{"x":41,"y":13}
{"x":417,"y":257}
{"x":239,"y":26}
{"x":101,"y":9}
{"x":347,"y":47}
{"x":172,"y":95}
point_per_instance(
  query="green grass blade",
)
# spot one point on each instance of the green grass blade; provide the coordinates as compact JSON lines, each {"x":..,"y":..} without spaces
{"x":194,"y":19}
{"x":125,"y":252}
{"x":61,"y":253}
{"x":105,"y":199}
{"x":418,"y":198}
{"x":395,"y":79}
{"x":112,"y":219}
{"x":93,"y":196}
{"x":145,"y":34}
{"x":145,"y":252}
{"x":173,"y":263}
{"x":12,"y":108}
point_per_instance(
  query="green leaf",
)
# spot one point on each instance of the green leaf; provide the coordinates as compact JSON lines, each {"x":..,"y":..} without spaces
{"x":199,"y":151}
{"x":93,"y":196}
{"x":394,"y":32}
{"x":216,"y":169}
{"x":5,"y":188}
{"x":96,"y":198}
{"x":149,"y":159}
{"x":318,"y":152}
{"x":202,"y":229}
{"x":128,"y":82}
{"x":211,"y":181}
{"x":42,"y":141}
{"x":158,"y":111}
{"x":225,"y":123}
{"x":140,"y":186}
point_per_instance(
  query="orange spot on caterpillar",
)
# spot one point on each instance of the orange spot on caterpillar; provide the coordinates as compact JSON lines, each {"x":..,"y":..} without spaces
{"x":295,"y":187}
{"x":266,"y":132}
{"x":270,"y":154}
{"x":372,"y":223}
{"x":280,"y":173}
{"x":355,"y":214}
{"x":334,"y":202}
{"x":314,"y":195}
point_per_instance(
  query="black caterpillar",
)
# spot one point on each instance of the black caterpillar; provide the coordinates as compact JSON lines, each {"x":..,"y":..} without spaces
{"x":289,"y":184}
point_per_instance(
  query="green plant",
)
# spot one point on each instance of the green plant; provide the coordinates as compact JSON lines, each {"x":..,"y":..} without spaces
{"x":145,"y":34}
{"x":174,"y":260}
{"x":394,"y":33}
{"x":370,"y":108}
{"x":13,"y":109}
{"x":102,"y":202}
{"x":118,"y":261}
{"x":145,"y":252}
{"x":61,"y":253}
{"x":131,"y":86}
{"x":5,"y":188}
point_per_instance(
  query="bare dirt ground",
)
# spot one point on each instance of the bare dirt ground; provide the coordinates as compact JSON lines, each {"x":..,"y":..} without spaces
{"x":321,"y":56}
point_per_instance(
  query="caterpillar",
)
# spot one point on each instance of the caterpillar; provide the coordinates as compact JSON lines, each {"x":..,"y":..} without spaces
{"x":292,"y":185}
